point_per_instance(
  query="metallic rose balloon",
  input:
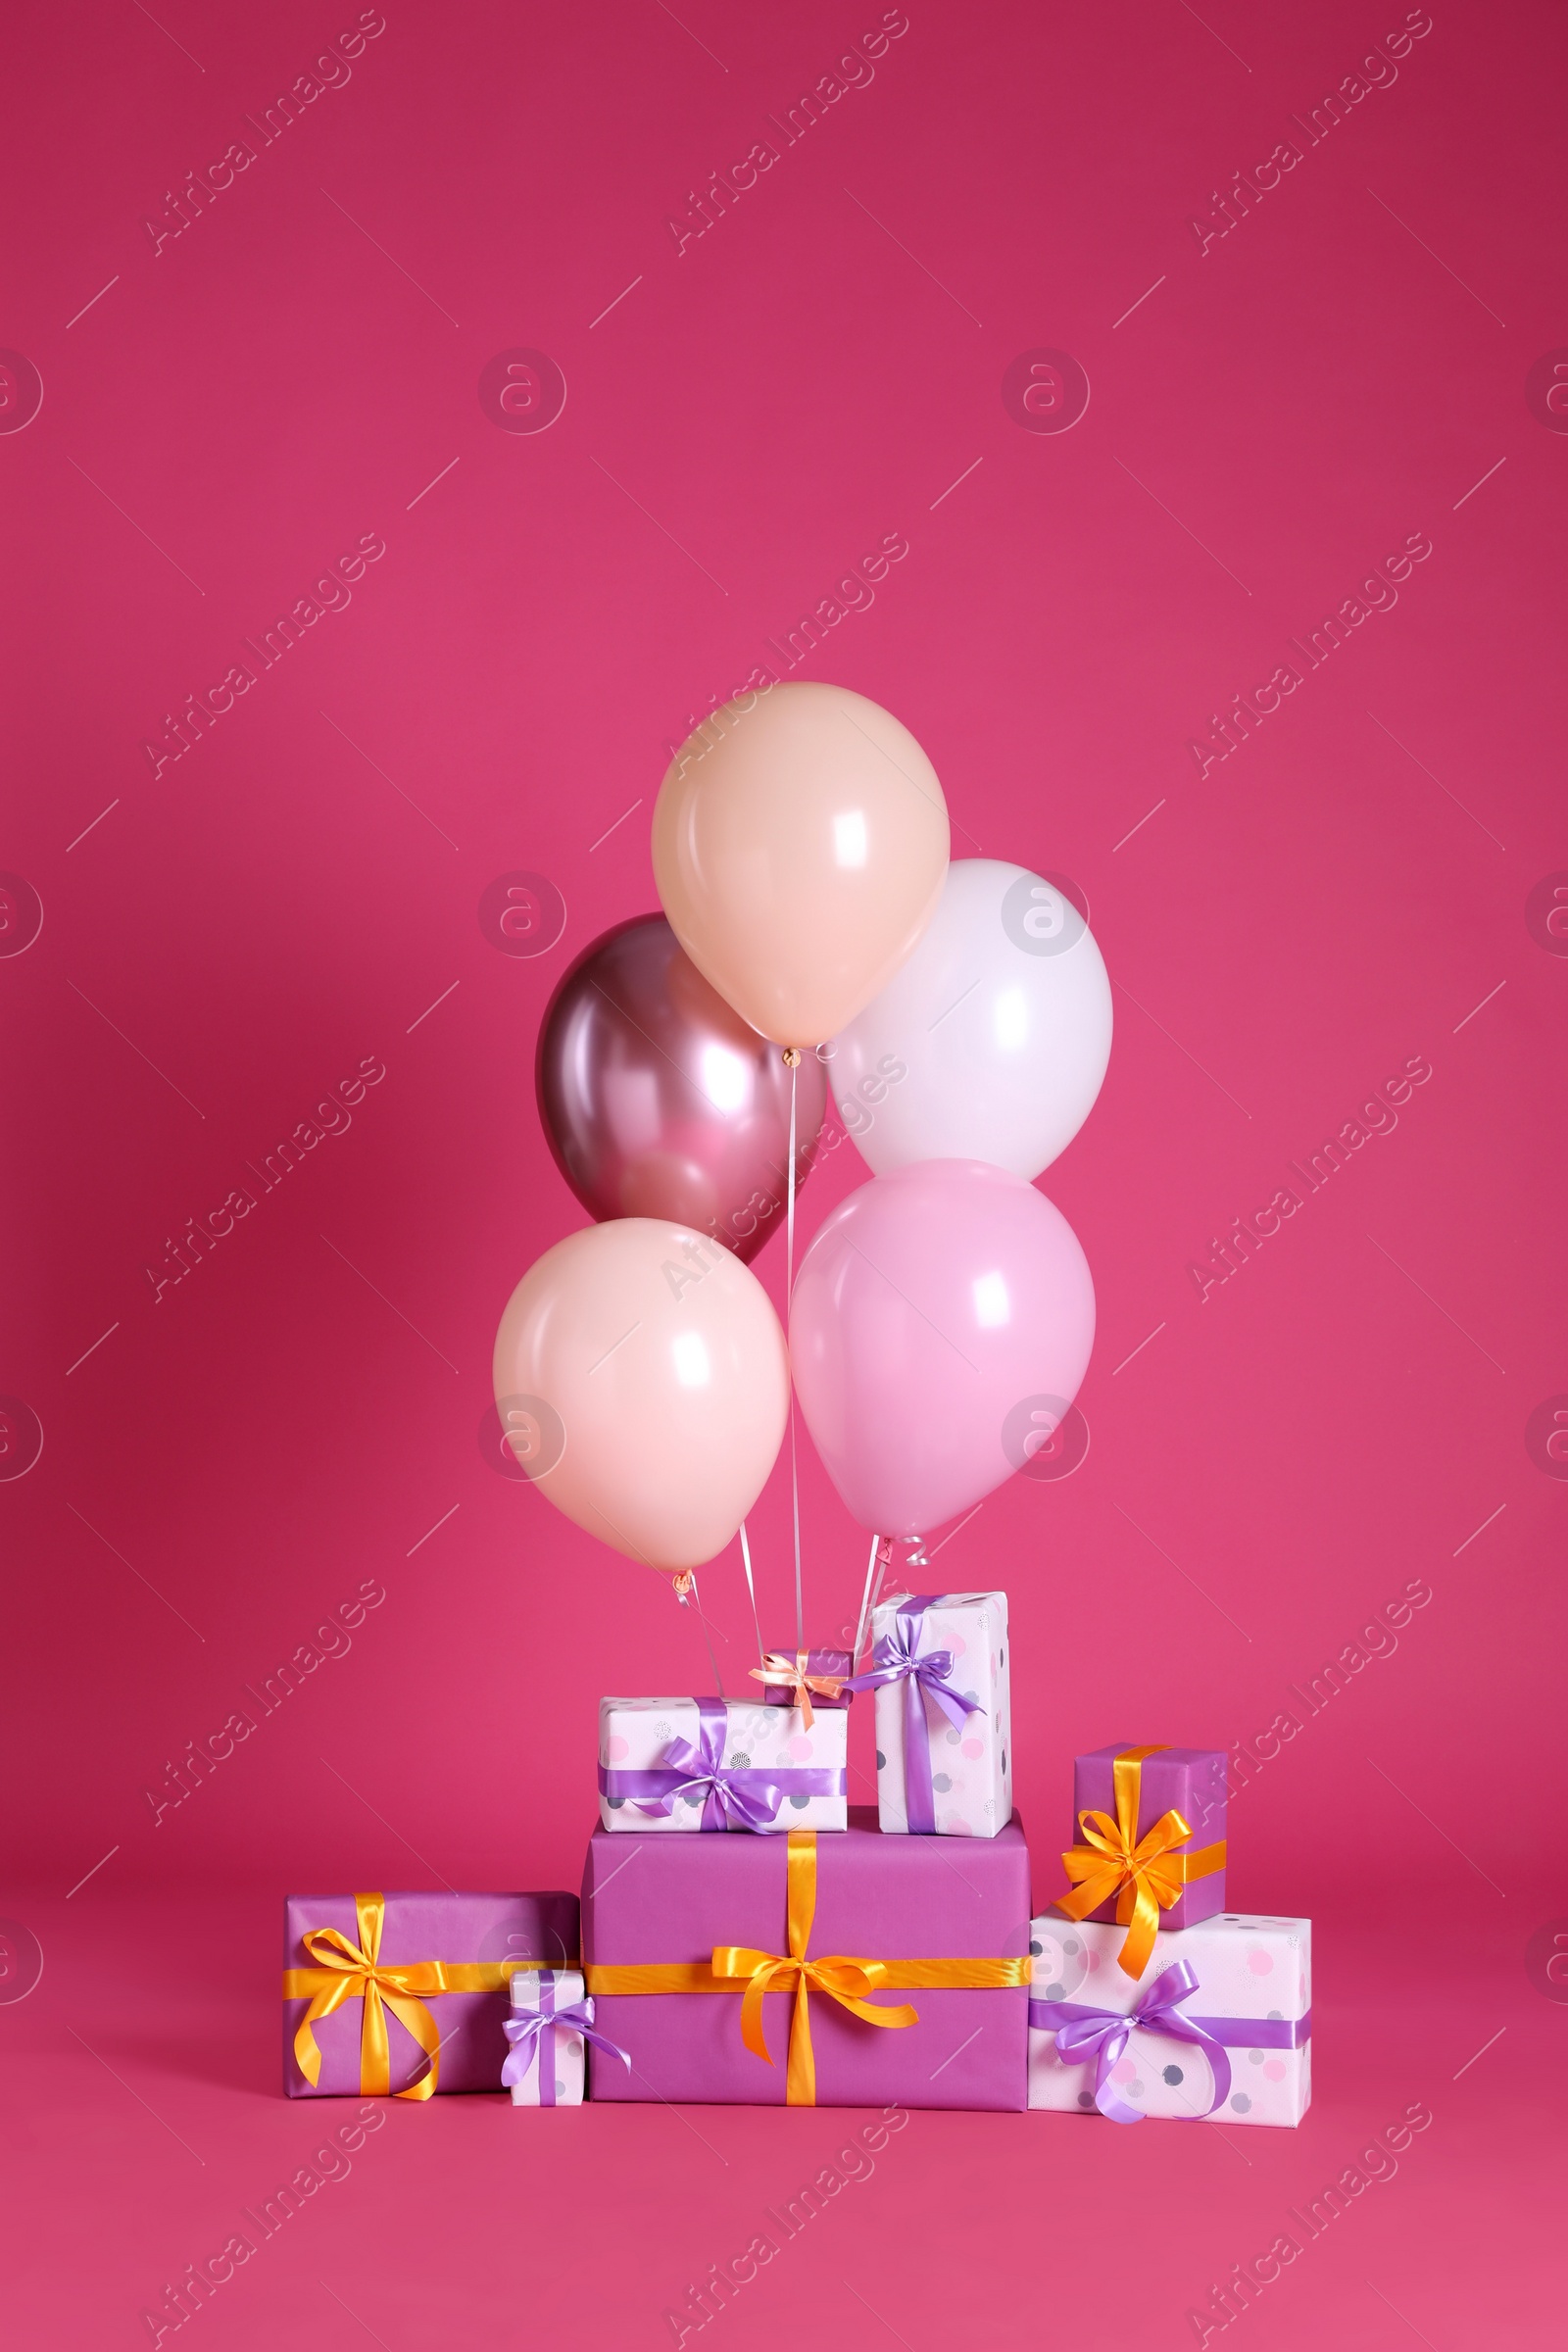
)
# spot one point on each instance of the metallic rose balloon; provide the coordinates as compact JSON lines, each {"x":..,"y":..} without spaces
{"x":658,"y":1101}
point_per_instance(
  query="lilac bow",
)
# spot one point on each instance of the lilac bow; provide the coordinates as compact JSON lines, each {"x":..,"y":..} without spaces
{"x":1084,"y":2032}
{"x":895,"y":1657}
{"x":746,"y":1797}
{"x":533,"y":2031}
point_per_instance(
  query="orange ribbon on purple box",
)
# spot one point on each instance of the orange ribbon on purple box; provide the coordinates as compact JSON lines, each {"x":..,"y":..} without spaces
{"x":1145,"y":1875}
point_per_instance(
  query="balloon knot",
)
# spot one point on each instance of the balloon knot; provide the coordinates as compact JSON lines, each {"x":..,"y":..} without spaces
{"x":791,"y":1057}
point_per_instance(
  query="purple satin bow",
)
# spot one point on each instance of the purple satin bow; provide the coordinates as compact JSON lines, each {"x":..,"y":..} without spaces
{"x":896,"y":1657}
{"x":535,"y":2030}
{"x":747,"y":1796}
{"x":1084,"y":2032}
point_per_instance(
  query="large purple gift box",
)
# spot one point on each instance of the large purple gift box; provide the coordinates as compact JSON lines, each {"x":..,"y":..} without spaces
{"x":1189,"y":1780}
{"x":649,"y":1900}
{"x":486,"y":1935}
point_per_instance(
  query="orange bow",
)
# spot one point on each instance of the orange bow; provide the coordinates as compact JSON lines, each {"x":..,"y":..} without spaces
{"x":734,"y":1967}
{"x":346,"y":1973}
{"x":776,"y":1667}
{"x":850,"y":1982}
{"x":1145,"y":1876}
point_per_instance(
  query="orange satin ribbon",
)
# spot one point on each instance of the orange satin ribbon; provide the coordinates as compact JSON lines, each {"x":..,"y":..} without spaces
{"x":735,"y":1968}
{"x":1143,"y":1874}
{"x":345,"y":1973}
{"x":777,"y":1668}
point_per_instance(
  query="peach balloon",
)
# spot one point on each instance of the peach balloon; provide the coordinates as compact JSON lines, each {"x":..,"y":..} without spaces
{"x":641,"y":1380}
{"x":800,"y":848}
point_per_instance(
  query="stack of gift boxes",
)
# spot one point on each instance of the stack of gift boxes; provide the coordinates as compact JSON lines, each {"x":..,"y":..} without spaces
{"x":811,"y":1952}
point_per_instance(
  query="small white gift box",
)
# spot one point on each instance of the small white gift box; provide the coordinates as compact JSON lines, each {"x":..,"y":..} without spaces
{"x":544,"y":2065}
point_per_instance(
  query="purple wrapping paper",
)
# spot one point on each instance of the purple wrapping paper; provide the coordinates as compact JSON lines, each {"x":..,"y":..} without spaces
{"x":818,"y":1661}
{"x":876,"y":1897}
{"x":508,"y":1927}
{"x":1189,"y":1780}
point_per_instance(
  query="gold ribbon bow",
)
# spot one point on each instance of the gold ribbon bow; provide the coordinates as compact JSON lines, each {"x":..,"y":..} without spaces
{"x":346,"y":1973}
{"x":776,"y":1667}
{"x":1145,"y":1875}
{"x":850,"y":1982}
{"x":734,"y":1967}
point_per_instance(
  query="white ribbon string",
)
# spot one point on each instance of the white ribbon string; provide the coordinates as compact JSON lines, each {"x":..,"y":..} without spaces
{"x":789,"y":1287}
{"x":865,"y":1617}
{"x":751,"y":1586}
{"x":695,"y":1599}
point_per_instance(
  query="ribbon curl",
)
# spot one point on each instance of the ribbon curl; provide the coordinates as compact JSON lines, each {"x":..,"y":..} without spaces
{"x":896,"y":1656}
{"x":1143,"y":1874}
{"x":777,"y":1667}
{"x":345,"y":1972}
{"x":1084,"y":2032}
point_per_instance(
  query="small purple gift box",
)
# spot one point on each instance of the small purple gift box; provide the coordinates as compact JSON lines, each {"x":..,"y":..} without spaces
{"x":804,"y":1678}
{"x":1153,"y":1824}
{"x":408,"y":1993}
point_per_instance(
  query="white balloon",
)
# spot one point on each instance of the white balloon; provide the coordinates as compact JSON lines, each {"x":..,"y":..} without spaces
{"x":991,"y":1042}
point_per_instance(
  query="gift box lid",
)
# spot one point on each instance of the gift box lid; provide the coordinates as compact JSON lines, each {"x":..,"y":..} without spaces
{"x":941,"y":1600}
{"x":674,"y":1898}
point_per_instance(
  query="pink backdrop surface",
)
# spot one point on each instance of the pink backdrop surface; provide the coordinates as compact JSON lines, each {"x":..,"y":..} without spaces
{"x":1257,"y":392}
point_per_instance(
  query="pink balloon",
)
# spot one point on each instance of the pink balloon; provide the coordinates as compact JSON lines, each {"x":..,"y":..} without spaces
{"x":941,"y":1324}
{"x":642,"y":1383}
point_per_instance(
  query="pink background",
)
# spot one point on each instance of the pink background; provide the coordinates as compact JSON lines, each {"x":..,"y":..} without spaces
{"x":301,"y":1414}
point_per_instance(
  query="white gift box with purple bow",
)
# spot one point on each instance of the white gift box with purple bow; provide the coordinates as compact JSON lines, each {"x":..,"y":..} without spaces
{"x":721,"y":1764}
{"x":552,"y":2017}
{"x":943,"y":1722}
{"x":1218,"y":2029}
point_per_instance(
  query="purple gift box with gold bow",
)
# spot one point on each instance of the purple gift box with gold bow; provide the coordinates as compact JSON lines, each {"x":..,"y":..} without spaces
{"x":1151,"y":1851}
{"x":407,"y":1995}
{"x":853,"y":1971}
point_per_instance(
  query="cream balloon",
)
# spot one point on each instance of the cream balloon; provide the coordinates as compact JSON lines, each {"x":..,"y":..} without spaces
{"x":800,"y":847}
{"x":991,"y":1040}
{"x":642,"y":1380}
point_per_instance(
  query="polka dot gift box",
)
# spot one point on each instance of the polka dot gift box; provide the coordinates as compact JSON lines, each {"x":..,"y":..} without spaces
{"x":552,"y":2020}
{"x":943,"y":1728}
{"x":721,"y":1764}
{"x":1217,"y":2027}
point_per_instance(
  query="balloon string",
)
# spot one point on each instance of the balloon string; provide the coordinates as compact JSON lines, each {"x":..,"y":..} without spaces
{"x":789,"y":1287}
{"x":751,"y":1586}
{"x":695,"y":1602}
{"x":866,"y":1600}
